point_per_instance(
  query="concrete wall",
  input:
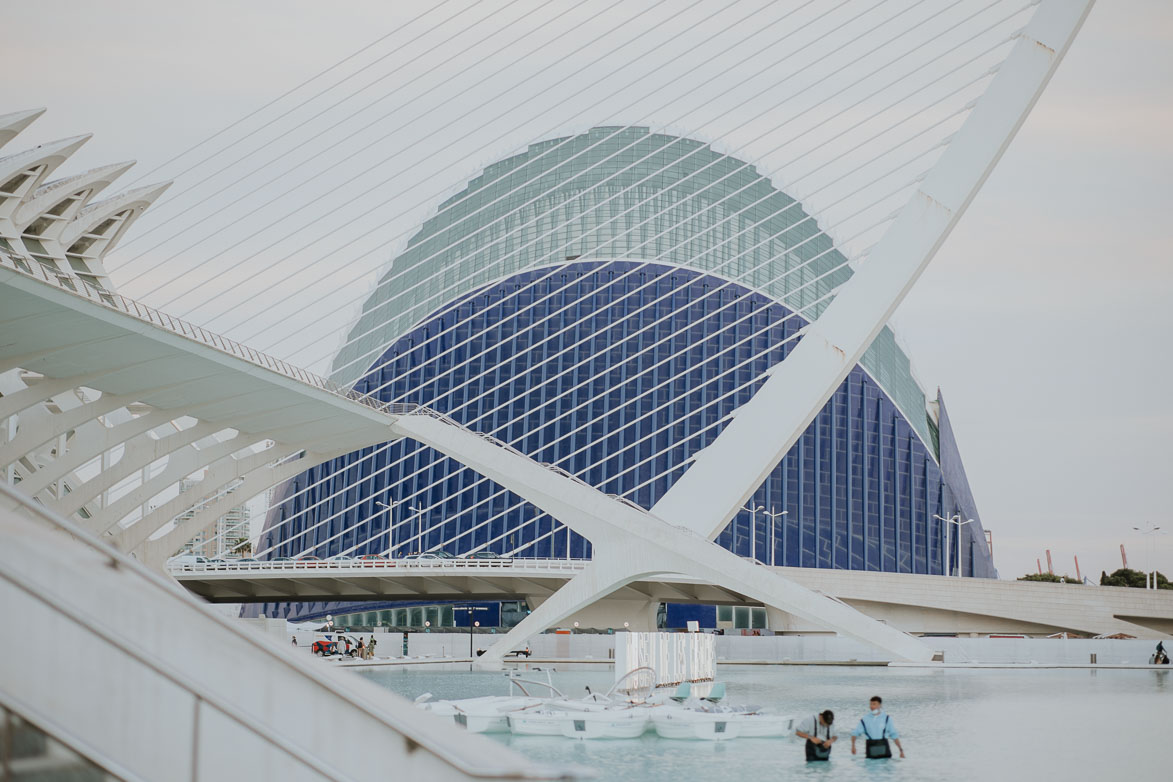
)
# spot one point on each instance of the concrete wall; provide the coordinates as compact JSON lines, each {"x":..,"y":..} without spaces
{"x":815,"y":648}
{"x":777,"y":648}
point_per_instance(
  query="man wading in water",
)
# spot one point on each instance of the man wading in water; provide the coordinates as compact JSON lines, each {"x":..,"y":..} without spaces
{"x":819,"y":735}
{"x":877,"y":727}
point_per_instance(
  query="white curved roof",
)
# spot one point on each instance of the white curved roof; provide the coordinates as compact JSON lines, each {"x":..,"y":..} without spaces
{"x":14,"y":123}
{"x":58,"y":224}
{"x":82,"y":187}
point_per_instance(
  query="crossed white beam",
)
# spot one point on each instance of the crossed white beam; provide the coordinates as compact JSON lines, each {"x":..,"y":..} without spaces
{"x":630,"y":544}
{"x":675,"y":536}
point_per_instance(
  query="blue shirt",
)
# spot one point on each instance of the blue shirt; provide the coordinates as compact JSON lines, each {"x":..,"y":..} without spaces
{"x":879,"y":726}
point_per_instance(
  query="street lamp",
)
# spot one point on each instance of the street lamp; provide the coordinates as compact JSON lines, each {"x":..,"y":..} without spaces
{"x":956,"y":520}
{"x":773,"y":521}
{"x":471,"y":625}
{"x":415,"y":526}
{"x":390,"y":520}
{"x":753,"y":530}
{"x":1152,"y":530}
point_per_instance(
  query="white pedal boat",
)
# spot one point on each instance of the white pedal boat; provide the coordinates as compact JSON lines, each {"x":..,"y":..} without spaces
{"x":720,"y":724}
{"x":549,"y":718}
{"x":608,"y":724}
{"x":487,"y":714}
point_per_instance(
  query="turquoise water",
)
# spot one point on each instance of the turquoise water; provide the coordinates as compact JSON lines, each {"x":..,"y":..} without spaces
{"x":955,"y":724}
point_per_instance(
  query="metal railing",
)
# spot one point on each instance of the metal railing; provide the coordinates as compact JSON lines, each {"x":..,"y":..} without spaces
{"x":334,"y":566}
{"x":31,"y":267}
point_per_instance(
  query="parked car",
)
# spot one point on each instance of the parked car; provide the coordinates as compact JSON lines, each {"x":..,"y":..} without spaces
{"x":341,"y":558}
{"x":444,"y":554}
{"x":309,"y":560}
{"x":426,"y":557}
{"x":247,"y":562}
{"x":324,"y":648}
{"x":485,"y":554}
{"x":372,"y":559}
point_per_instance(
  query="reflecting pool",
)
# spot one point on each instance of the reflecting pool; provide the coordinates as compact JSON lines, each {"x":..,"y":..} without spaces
{"x":955,"y":724}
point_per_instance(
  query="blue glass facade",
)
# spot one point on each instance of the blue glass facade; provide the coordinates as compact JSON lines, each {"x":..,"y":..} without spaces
{"x":621,"y":363}
{"x":860,"y":486}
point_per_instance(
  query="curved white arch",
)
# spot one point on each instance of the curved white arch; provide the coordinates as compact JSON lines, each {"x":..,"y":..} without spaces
{"x":46,"y":201}
{"x":181,"y":462}
{"x":35,"y":165}
{"x":86,"y":236}
{"x":13,"y":123}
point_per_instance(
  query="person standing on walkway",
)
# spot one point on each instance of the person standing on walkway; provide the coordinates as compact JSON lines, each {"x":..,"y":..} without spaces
{"x":371,"y":648}
{"x":819,"y":735}
{"x":876,"y":727}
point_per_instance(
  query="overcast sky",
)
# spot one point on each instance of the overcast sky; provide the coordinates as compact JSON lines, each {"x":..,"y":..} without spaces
{"x":1045,"y":318}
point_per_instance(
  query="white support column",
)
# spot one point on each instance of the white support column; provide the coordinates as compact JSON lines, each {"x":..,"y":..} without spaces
{"x":83,"y":449}
{"x":60,"y":424}
{"x":726,"y":473}
{"x":156,"y":552}
{"x":179,"y":465}
{"x":218,"y":475}
{"x":598,"y":580}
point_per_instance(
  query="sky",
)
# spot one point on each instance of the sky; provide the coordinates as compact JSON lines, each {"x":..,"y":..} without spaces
{"x":1044,"y":318}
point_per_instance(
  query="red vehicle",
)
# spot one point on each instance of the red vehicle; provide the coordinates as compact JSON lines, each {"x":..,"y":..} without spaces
{"x":324,"y":648}
{"x":372,"y":560}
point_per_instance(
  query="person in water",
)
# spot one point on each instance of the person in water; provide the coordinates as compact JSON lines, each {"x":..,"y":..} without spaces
{"x":819,"y":735}
{"x":876,"y":727}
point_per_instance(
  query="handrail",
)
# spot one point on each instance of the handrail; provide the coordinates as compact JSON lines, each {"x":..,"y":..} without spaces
{"x":31,"y":267}
{"x":262,"y":566}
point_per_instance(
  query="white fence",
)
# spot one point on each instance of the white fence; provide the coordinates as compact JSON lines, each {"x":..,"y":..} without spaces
{"x":333,"y":567}
{"x":675,"y":657}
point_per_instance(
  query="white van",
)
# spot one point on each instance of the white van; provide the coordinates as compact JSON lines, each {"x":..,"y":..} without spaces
{"x":186,"y":562}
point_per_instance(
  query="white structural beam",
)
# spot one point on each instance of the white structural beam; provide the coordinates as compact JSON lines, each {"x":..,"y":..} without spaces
{"x":726,"y":473}
{"x":631,"y":545}
{"x":213,"y":700}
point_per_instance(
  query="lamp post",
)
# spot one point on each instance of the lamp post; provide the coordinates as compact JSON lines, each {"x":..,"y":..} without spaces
{"x":471,"y":625}
{"x":753,"y":530}
{"x":773,"y":521}
{"x":956,"y":520}
{"x":415,"y":524}
{"x":390,"y":521}
{"x":1152,"y":530}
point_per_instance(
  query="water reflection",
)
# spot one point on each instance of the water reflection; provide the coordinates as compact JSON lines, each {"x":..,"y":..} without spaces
{"x":955,"y":724}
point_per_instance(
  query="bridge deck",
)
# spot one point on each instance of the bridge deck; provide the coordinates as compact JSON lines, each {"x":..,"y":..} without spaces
{"x":936,"y":602}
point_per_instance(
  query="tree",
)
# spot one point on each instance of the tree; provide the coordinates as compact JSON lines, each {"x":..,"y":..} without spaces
{"x":1048,"y":577}
{"x":1127,"y":577}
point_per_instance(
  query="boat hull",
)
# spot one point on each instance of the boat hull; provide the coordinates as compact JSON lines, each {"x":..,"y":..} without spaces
{"x":721,"y":727}
{"x":605,"y":726}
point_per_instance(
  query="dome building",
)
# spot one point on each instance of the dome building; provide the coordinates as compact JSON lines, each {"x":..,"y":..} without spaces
{"x":603,"y":302}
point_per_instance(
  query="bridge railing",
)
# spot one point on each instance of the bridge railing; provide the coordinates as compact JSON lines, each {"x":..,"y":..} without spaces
{"x":335,"y":566}
{"x":31,"y":267}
